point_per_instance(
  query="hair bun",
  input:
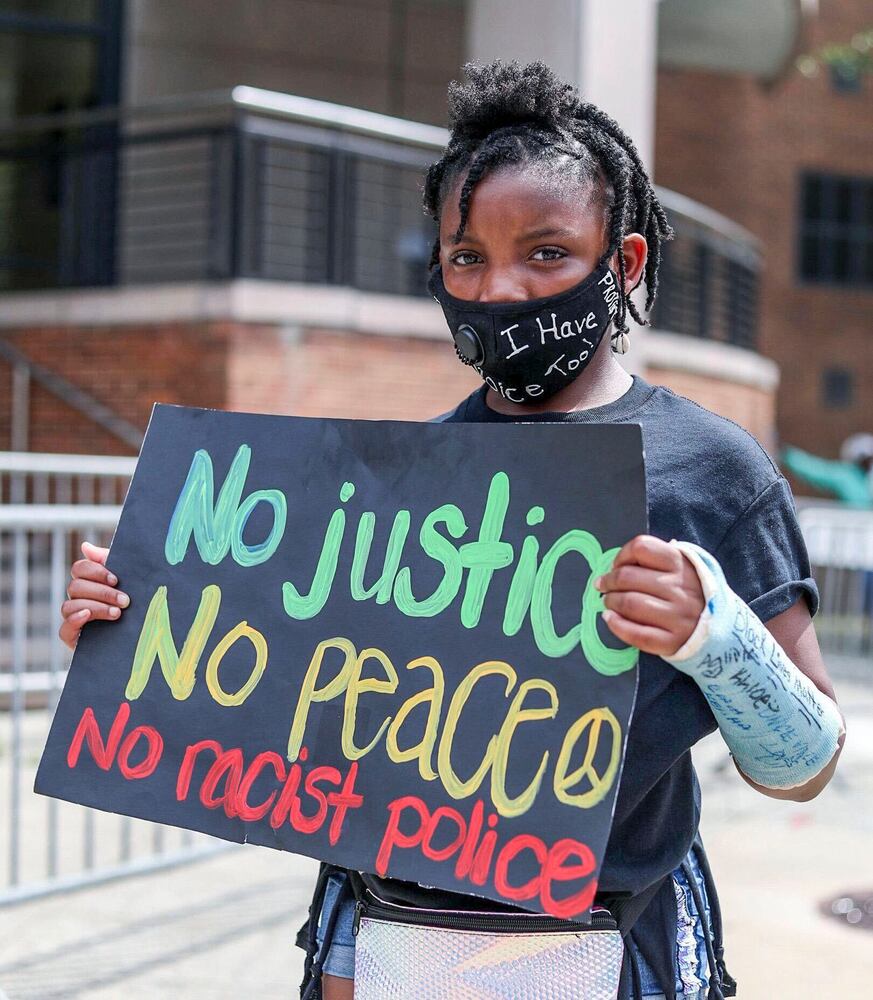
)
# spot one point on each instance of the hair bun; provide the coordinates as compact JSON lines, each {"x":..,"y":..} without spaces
{"x":500,"y":95}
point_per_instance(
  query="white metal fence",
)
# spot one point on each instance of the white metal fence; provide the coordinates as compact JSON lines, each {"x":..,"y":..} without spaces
{"x":840,"y":544}
{"x":48,"y":505}
{"x":31,"y":477}
{"x":47,"y":845}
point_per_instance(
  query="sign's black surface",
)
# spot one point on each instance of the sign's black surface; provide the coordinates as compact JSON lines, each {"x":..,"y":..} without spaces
{"x":373,"y":643}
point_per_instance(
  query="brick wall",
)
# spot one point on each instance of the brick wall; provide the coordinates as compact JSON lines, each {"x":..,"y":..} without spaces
{"x":5,"y":406}
{"x":271,"y":369}
{"x":739,"y":147}
{"x":254,"y":367}
{"x":127,"y":368}
{"x":330,"y":373}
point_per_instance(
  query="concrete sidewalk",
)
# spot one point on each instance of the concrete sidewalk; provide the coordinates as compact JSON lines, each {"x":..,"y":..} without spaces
{"x":219,"y":928}
{"x":776,"y":863}
{"x":223,"y":928}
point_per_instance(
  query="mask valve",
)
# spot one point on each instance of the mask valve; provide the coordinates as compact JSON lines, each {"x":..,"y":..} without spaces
{"x":468,"y":345}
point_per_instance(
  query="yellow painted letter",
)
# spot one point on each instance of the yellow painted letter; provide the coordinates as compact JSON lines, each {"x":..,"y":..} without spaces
{"x":309,"y":693}
{"x":516,"y":715}
{"x":355,"y":688}
{"x":453,"y":785}
{"x":256,"y":638}
{"x":433,"y":695}
{"x":156,"y":641}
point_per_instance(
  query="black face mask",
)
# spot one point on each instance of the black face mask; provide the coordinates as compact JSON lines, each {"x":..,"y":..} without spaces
{"x":527,"y":351}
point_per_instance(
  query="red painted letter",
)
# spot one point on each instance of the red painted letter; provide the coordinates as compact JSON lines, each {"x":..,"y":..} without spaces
{"x":524,"y":841}
{"x":244,"y":810}
{"x":392,"y":833}
{"x":103,"y":754}
{"x":554,"y":872}
{"x":153,"y":755}
{"x":183,"y":782}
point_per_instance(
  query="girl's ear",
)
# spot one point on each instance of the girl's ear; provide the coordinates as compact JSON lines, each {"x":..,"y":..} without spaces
{"x":636,"y":250}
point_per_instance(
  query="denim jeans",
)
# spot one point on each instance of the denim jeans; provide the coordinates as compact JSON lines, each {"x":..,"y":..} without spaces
{"x":691,"y":967}
{"x":341,"y":957}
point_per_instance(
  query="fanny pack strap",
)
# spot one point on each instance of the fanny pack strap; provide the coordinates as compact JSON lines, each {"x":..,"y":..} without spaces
{"x":727,"y":985}
{"x":627,"y":910}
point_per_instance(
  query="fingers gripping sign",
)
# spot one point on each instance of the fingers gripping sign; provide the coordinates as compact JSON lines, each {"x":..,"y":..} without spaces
{"x":652,"y":596}
{"x":91,"y":594}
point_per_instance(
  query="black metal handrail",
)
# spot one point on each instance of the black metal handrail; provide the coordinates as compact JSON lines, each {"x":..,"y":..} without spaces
{"x":252,"y":184}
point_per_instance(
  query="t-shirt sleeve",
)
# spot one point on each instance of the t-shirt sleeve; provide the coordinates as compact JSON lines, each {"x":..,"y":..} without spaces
{"x":764,"y":556}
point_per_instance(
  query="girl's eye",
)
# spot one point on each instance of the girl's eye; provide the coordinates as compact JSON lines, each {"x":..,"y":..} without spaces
{"x":464,"y":257}
{"x":548,"y":253}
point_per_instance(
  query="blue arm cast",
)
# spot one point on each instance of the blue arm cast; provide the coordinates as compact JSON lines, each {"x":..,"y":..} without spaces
{"x":781,"y":730}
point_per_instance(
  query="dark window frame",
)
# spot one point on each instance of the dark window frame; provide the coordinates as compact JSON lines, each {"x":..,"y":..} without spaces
{"x":829,"y":236}
{"x":106,"y":30}
{"x":63,"y":151}
{"x":838,"y":388}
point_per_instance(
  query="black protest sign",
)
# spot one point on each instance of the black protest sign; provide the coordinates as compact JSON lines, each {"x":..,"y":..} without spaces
{"x":374,"y":643}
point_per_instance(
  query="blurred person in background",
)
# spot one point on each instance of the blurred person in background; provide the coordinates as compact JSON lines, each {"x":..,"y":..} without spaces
{"x":849,"y":479}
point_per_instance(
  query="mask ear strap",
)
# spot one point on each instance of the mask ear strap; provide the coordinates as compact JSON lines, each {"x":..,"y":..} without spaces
{"x":621,"y":338}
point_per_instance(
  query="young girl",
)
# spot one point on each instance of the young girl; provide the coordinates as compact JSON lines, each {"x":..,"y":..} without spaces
{"x":536,"y":192}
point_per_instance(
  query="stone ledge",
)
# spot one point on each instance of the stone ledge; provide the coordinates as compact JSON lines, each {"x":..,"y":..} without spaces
{"x":240,"y":301}
{"x":329,"y":307}
{"x":675,"y":352}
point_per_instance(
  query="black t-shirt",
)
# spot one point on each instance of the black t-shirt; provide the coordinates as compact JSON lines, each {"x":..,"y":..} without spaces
{"x":708,"y":481}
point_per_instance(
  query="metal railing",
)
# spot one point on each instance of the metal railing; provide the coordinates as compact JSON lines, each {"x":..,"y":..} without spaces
{"x":250,"y":183}
{"x":709,"y":276}
{"x":43,"y":478}
{"x":48,"y":491}
{"x":47,"y":845}
{"x":840,"y":544}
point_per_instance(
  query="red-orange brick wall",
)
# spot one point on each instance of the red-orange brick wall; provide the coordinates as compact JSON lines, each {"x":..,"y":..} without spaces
{"x":127,"y":368}
{"x":740,"y":147}
{"x":235,"y":366}
{"x":331,"y":373}
{"x":264,"y":368}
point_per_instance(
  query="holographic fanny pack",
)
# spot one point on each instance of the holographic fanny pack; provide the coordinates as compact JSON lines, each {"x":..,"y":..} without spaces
{"x":405,"y":953}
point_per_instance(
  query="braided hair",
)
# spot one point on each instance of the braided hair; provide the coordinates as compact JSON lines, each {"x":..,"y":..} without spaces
{"x":507,"y":114}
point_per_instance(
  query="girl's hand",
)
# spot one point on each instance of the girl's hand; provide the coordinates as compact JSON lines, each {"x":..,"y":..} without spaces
{"x":652,"y":595}
{"x":91,"y":593}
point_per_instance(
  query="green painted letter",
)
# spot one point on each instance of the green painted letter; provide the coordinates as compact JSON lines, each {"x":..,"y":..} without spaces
{"x":442,"y":550}
{"x":156,"y":642}
{"x":488,"y":553}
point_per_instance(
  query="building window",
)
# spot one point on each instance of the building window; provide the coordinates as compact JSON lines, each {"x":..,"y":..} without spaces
{"x":78,"y":39}
{"x":837,"y":386}
{"x":836,"y":230}
{"x":56,"y":56}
